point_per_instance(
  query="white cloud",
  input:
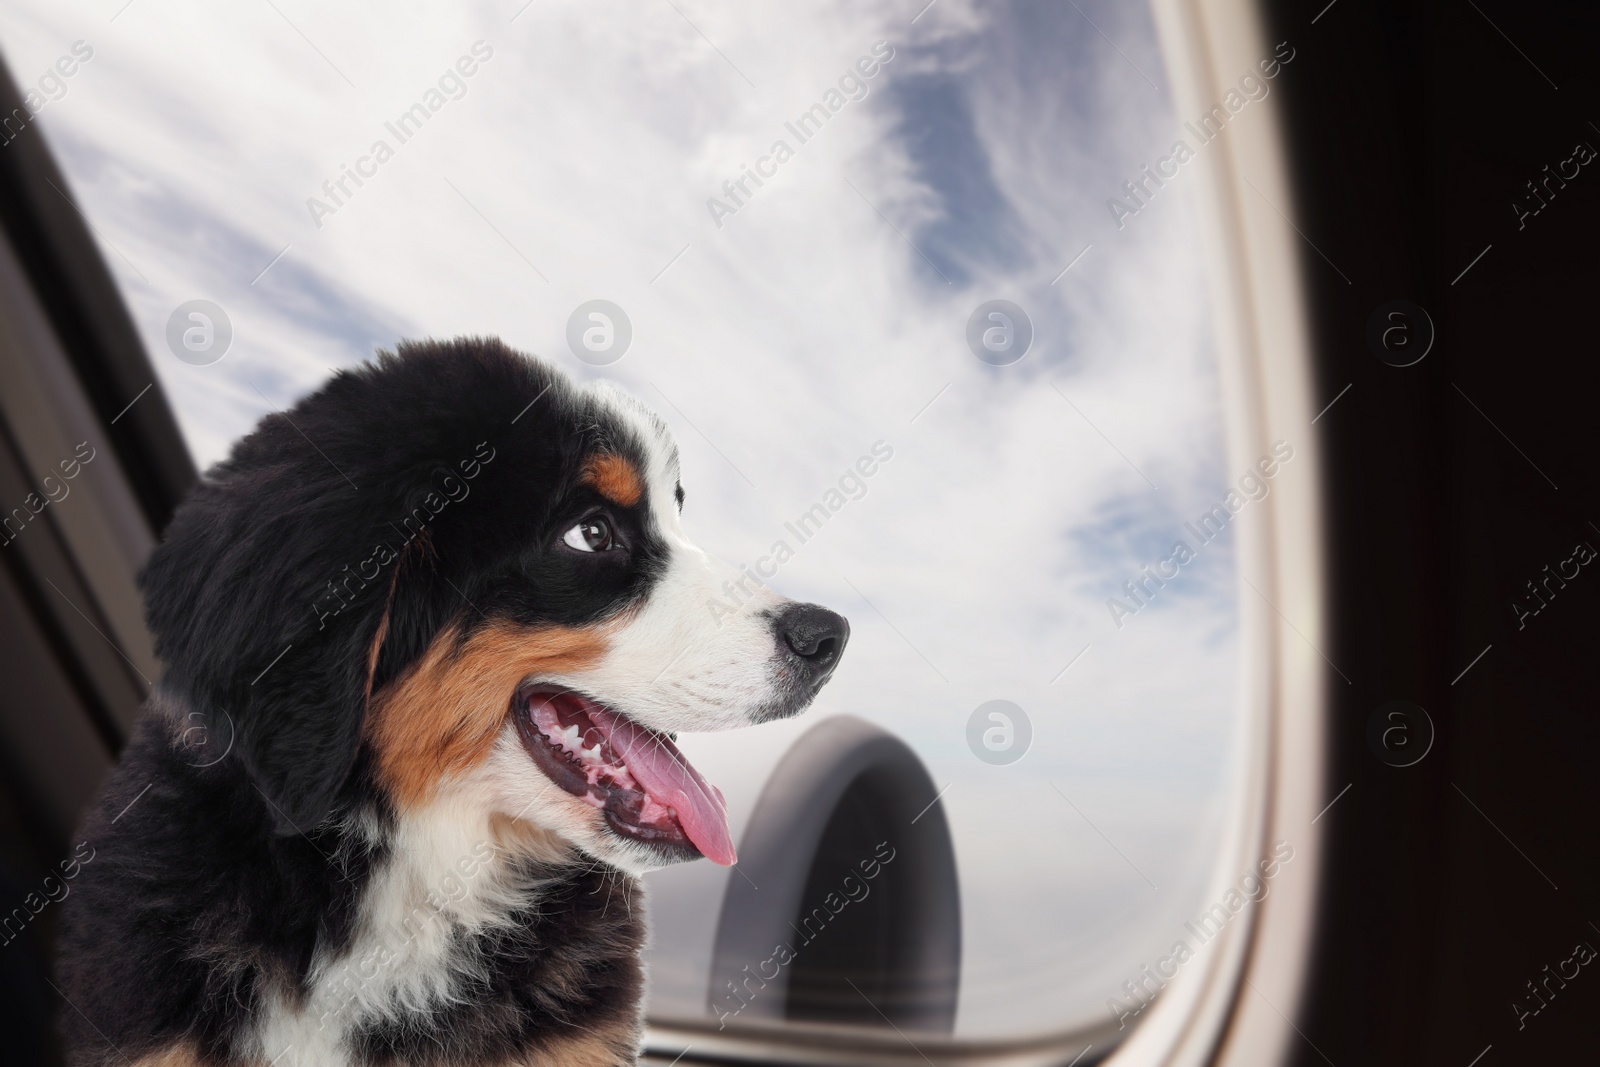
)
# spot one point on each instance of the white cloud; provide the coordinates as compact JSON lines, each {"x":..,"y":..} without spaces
{"x":788,"y":341}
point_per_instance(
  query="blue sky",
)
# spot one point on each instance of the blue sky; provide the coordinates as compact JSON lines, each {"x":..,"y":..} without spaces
{"x":824,"y":316}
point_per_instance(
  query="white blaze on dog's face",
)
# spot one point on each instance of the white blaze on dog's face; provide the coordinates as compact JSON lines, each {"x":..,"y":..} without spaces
{"x":683,"y":659}
{"x":617,"y":635}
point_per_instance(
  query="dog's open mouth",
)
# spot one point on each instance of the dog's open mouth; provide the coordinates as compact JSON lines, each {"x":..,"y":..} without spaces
{"x":638,"y":779}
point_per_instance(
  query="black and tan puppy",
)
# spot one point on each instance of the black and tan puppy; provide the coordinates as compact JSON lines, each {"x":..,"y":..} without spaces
{"x":428,"y":637}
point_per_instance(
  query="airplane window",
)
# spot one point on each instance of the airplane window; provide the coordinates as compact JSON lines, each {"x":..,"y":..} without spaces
{"x":921,"y":295}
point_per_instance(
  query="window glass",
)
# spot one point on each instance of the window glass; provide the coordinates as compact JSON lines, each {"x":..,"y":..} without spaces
{"x":882,"y":272}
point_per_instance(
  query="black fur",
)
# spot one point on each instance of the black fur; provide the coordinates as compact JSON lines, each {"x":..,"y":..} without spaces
{"x":193,"y":907}
{"x":226,"y":844}
{"x":569,"y":966}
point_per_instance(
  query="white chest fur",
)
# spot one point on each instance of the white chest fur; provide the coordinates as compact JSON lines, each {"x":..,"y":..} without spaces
{"x":447,"y":879}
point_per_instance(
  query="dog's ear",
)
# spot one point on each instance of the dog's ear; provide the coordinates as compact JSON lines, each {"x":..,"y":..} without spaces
{"x":299,"y":726}
{"x":270,"y":600}
{"x":313,"y":564}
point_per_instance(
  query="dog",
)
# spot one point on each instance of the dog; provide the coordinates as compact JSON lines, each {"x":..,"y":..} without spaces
{"x":428,"y":639}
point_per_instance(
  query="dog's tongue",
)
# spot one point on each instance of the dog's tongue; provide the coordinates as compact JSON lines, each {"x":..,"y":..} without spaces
{"x":655,"y":763}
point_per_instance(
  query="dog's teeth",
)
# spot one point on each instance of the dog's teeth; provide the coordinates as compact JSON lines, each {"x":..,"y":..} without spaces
{"x":591,"y":754}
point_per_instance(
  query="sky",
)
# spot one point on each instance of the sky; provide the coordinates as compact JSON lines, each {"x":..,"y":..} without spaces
{"x":781,"y":341}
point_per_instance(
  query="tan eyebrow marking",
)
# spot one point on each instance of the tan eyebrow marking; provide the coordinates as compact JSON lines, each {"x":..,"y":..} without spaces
{"x":614,"y":478}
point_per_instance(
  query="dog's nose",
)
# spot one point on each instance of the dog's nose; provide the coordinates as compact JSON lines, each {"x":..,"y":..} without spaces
{"x":815,"y":636}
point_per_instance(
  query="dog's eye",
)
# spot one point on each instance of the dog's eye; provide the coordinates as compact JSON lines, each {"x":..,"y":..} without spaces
{"x":590,"y":535}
